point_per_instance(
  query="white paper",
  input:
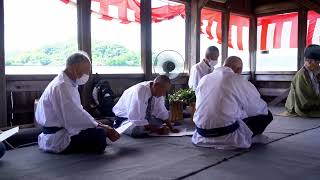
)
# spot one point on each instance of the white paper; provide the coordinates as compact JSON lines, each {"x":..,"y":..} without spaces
{"x":182,"y":132}
{"x":6,"y":134}
{"x":124,"y":127}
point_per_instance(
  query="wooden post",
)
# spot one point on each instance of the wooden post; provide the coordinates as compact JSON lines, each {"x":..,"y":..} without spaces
{"x":302,"y":35}
{"x":146,"y":38}
{"x":225,"y":35}
{"x":253,"y":46}
{"x":3,"y":97}
{"x":84,"y":44}
{"x":194,"y":32}
{"x":188,"y":37}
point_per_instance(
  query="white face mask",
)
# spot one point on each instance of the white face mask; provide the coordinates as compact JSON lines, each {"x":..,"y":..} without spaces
{"x":212,"y":63}
{"x":84,"y":79}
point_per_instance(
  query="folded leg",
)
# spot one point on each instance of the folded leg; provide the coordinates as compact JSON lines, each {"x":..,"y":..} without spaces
{"x":258,"y":124}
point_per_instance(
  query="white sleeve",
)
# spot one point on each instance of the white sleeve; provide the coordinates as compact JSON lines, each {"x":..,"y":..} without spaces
{"x":254,"y":105}
{"x":75,"y":118}
{"x":193,"y":78}
{"x":160,"y":111}
{"x":137,"y":108}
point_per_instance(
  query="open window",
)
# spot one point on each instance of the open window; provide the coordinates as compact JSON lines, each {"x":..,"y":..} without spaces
{"x":277,"y":40}
{"x":238,"y":40}
{"x":211,"y":33}
{"x":39,"y":35}
{"x":115,"y":38}
{"x":168,"y":27}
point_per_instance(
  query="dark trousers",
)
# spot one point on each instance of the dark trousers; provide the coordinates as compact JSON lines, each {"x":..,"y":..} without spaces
{"x":2,"y":149}
{"x":92,"y":140}
{"x":257,"y":124}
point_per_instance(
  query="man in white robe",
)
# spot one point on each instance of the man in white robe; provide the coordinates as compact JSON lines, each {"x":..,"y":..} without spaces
{"x":143,"y":104}
{"x":229,"y":109}
{"x":203,"y":67}
{"x":67,"y":127}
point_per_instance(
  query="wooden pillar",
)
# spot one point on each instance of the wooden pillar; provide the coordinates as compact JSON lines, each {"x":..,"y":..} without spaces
{"x":194,"y":33}
{"x":225,"y":35}
{"x":302,"y":35}
{"x":146,"y":38}
{"x":188,"y":36}
{"x":253,"y":46}
{"x":84,"y":44}
{"x":3,"y":99}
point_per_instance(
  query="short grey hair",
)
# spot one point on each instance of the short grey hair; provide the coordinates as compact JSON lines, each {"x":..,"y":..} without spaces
{"x":162,"y":79}
{"x":78,"y":58}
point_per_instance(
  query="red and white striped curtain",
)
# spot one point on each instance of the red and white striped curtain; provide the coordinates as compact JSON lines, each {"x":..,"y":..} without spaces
{"x":278,"y":31}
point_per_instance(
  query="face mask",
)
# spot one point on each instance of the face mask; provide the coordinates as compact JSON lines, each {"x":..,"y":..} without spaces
{"x":213,"y":63}
{"x":84,"y":79}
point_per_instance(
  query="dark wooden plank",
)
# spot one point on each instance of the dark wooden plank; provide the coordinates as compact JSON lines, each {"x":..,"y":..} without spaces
{"x":312,"y":5}
{"x":302,"y":35}
{"x":274,"y":77}
{"x":280,"y":98}
{"x":243,"y":7}
{"x":146,"y":38}
{"x":26,"y":86}
{"x":84,"y":44}
{"x":194,"y":51}
{"x":217,"y":6}
{"x":3,"y":96}
{"x":188,"y":38}
{"x":275,"y":8}
{"x":202,"y":3}
{"x":225,"y":35}
{"x":253,"y":46}
{"x":276,"y":72}
{"x":272,"y":91}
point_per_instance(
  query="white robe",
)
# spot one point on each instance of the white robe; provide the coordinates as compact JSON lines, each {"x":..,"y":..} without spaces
{"x":223,"y":98}
{"x":197,"y":72}
{"x":60,"y":106}
{"x":133,"y":105}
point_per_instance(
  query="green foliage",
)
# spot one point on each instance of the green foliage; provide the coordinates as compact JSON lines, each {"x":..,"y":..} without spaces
{"x":186,"y":96}
{"x":103,"y":53}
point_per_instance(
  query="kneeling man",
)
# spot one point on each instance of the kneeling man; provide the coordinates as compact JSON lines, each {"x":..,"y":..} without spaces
{"x":143,"y":104}
{"x":229,"y":109}
{"x":304,"y":95}
{"x":67,"y":127}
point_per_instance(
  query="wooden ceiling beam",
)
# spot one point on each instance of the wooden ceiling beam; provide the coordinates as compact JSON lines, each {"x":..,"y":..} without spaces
{"x":202,"y":3}
{"x":312,"y":5}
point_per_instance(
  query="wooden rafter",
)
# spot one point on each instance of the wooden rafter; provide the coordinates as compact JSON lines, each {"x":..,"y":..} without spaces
{"x":202,"y":3}
{"x":312,"y":5}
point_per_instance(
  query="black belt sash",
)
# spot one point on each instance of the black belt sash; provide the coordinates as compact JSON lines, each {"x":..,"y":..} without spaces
{"x":119,"y":120}
{"x":216,"y":132}
{"x":51,"y":130}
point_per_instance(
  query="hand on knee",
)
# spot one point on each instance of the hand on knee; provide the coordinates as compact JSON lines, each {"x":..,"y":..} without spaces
{"x":111,"y":133}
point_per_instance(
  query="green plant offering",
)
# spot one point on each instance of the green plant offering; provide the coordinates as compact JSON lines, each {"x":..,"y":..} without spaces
{"x":185,"y":96}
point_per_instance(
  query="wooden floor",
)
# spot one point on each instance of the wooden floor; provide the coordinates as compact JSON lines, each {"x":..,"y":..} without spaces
{"x":292,"y":153}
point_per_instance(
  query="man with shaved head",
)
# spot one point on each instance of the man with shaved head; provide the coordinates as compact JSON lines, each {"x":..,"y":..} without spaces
{"x":66,"y":126}
{"x":203,"y":67}
{"x":143,"y":104}
{"x":229,"y":109}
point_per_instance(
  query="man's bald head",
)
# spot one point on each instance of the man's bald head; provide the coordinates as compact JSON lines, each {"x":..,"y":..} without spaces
{"x":212,"y":53}
{"x":235,"y":63}
{"x":161,"y":84}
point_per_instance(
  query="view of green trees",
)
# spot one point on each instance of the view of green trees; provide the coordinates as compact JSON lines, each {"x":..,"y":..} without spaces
{"x":103,"y":54}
